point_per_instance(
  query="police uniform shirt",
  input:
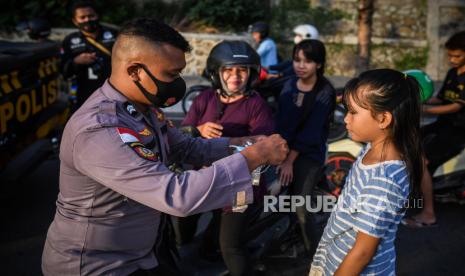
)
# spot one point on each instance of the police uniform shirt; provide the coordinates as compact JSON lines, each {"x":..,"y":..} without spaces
{"x":89,"y":77}
{"x":114,"y":185}
{"x":453,"y":91}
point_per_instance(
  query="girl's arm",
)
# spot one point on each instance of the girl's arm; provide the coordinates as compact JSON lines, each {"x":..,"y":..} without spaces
{"x":359,"y":256}
{"x":286,"y":169}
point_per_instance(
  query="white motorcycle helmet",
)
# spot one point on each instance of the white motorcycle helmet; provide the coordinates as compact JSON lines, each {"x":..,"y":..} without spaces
{"x":305,"y":31}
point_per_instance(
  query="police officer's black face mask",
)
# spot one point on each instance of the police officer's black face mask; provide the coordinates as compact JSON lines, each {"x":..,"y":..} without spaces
{"x":168,"y":93}
{"x":89,"y":26}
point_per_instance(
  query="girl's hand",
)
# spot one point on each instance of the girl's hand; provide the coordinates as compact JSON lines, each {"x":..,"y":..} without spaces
{"x":210,"y":130}
{"x":286,"y":173}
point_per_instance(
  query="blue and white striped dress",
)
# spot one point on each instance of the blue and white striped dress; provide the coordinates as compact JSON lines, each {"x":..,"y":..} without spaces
{"x":372,"y":202}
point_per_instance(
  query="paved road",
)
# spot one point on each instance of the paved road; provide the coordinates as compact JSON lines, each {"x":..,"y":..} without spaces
{"x":27,"y":211}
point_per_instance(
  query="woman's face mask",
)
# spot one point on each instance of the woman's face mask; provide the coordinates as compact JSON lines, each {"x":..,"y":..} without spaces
{"x":168,"y":93}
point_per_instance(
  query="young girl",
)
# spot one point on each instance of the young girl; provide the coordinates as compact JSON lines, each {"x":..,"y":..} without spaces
{"x":384,"y":112}
{"x":305,"y":108}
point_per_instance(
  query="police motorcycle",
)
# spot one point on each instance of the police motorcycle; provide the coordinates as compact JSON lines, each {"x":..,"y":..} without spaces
{"x":33,"y":105}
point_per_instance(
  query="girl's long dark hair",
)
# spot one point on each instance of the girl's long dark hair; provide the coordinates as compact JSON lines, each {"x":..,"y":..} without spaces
{"x":387,"y":90}
{"x":313,"y":50}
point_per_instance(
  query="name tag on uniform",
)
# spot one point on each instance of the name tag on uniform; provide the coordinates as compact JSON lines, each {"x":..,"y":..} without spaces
{"x":240,"y":205}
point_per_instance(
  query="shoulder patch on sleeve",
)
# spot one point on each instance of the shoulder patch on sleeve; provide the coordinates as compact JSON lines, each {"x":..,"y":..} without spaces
{"x":128,"y":135}
{"x":130,"y":109}
{"x":170,"y":123}
{"x":144,"y":152}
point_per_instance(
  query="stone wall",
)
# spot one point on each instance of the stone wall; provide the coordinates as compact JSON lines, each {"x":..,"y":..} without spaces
{"x":399,"y":38}
{"x":445,"y":17}
{"x":406,"y":34}
{"x":196,"y":60}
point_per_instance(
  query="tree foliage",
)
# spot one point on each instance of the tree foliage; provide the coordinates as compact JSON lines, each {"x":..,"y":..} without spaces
{"x":228,"y":14}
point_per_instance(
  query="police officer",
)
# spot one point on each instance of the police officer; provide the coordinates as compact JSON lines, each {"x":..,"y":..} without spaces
{"x":86,"y":54}
{"x":114,"y":183}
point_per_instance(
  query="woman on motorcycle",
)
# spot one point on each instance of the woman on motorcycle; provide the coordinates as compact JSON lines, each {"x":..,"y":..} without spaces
{"x":306,"y":106}
{"x":231,"y":108}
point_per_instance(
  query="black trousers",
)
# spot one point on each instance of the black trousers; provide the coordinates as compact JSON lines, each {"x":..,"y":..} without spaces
{"x":233,"y":240}
{"x":186,"y":228}
{"x":227,"y":231}
{"x":307,"y":174}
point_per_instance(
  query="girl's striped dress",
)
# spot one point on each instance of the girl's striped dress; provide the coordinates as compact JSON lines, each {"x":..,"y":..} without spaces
{"x":373,"y":201}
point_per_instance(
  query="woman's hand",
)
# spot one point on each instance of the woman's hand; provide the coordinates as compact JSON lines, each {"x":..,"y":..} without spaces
{"x":210,"y":130}
{"x":286,"y":172}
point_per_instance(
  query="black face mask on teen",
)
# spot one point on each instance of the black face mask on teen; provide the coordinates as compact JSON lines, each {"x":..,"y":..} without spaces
{"x":89,"y":26}
{"x":168,"y":93}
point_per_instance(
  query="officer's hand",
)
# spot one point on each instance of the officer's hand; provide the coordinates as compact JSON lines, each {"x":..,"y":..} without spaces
{"x":85,"y":58}
{"x":270,"y":150}
{"x":210,"y":130}
{"x":274,"y":148}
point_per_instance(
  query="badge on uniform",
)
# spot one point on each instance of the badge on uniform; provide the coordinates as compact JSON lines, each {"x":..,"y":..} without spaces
{"x":159,"y":114}
{"x":107,"y":35}
{"x":170,"y":123}
{"x":132,"y":139}
{"x":143,"y":152}
{"x":130,"y":109}
{"x":145,"y":132}
{"x":76,"y":40}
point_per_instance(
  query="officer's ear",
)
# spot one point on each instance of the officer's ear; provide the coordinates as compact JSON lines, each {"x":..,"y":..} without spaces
{"x":133,"y":72}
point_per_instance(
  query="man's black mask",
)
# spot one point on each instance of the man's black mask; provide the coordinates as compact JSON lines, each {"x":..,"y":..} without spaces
{"x":168,"y":93}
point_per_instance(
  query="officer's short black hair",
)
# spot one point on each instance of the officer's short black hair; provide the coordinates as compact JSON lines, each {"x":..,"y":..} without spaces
{"x":155,"y":31}
{"x":456,"y":41}
{"x":82,"y":4}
